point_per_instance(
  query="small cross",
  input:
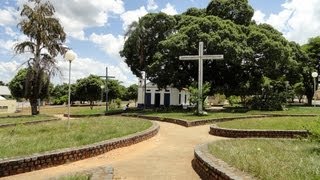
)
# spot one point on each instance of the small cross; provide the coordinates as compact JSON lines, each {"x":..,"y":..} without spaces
{"x":200,"y":58}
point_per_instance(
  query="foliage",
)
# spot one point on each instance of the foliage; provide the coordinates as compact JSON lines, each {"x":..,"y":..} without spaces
{"x":46,"y":36}
{"x":195,"y":96}
{"x":299,"y":90}
{"x":116,"y":90}
{"x":2,"y":83}
{"x":132,"y":92}
{"x":19,"y":85}
{"x":233,"y":100}
{"x":89,"y":89}
{"x":238,"y":11}
{"x":251,"y":52}
{"x":273,"y":97}
{"x":59,"y":94}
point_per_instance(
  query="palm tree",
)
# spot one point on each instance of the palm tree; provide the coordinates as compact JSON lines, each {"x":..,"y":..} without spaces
{"x":46,"y":36}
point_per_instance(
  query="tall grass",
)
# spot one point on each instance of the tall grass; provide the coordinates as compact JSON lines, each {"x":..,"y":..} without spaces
{"x":271,"y":159}
{"x":29,"y":139}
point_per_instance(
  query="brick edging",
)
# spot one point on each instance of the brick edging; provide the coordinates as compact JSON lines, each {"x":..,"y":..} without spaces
{"x":186,"y":123}
{"x":53,"y":158}
{"x":255,"y":133}
{"x":194,"y":122}
{"x":29,"y":122}
{"x":209,"y":167}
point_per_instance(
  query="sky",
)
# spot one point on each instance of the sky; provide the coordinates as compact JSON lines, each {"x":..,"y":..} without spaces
{"x":95,"y":30}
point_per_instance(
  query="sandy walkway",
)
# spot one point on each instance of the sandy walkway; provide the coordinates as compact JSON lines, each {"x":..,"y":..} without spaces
{"x":168,"y":155}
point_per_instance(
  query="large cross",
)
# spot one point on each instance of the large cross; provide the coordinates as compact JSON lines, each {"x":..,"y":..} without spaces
{"x":200,"y":58}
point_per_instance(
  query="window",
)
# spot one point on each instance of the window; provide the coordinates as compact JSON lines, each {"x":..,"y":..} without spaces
{"x":179,"y":98}
{"x":148,"y":90}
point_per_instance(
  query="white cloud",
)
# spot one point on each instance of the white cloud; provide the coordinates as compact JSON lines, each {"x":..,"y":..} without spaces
{"x":77,"y":15}
{"x":298,"y":20}
{"x":131,"y":16}
{"x":8,"y":16}
{"x":83,"y":67}
{"x":169,"y":9}
{"x":110,"y":44}
{"x":10,"y":32}
{"x":152,"y":5}
{"x":259,"y":17}
{"x":8,"y":70}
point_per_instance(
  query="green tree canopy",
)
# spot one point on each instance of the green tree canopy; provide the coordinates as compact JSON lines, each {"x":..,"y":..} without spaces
{"x":19,"y":85}
{"x":252,"y":52}
{"x":238,"y":11}
{"x":89,"y":89}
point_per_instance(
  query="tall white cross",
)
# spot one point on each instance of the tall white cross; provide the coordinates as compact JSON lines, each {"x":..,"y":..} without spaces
{"x":200,"y":58}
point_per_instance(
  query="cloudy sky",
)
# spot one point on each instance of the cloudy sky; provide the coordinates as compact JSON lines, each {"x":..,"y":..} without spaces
{"x":95,"y":30}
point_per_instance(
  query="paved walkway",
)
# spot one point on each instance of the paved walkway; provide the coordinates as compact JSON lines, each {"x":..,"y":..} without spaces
{"x":168,"y":156}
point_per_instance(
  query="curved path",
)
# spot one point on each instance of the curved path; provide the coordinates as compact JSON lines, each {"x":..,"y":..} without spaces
{"x":168,"y":155}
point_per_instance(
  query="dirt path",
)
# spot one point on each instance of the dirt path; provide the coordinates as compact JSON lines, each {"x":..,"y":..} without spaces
{"x":168,"y":155}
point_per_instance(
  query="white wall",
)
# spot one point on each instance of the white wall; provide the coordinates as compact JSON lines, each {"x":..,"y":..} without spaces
{"x":8,"y":106}
{"x":174,"y":95}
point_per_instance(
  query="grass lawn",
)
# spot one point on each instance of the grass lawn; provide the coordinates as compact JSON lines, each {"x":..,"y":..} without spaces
{"x":271,"y":159}
{"x":79,"y":176}
{"x":12,"y":119}
{"x":292,"y":110}
{"x":275,"y":123}
{"x":25,"y":140}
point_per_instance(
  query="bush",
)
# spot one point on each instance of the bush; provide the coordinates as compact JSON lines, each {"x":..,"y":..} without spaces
{"x":233,"y":100}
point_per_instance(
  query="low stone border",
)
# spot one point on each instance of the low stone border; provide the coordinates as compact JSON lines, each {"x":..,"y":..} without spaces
{"x":83,"y":115}
{"x":93,"y":115}
{"x":29,"y":122}
{"x":248,"y":133}
{"x":186,"y":123}
{"x":209,"y":167}
{"x":53,"y":158}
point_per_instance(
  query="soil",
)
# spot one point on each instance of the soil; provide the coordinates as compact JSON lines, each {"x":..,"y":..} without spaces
{"x":168,"y":155}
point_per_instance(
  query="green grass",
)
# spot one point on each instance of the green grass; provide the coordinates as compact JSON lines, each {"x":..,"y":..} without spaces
{"x":25,"y":140}
{"x":212,"y":115}
{"x":87,"y":110}
{"x":12,"y":119}
{"x":275,"y":123}
{"x":271,"y":159}
{"x":79,"y":176}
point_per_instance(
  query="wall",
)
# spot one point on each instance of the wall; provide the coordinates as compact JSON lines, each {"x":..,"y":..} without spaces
{"x":244,"y":133}
{"x":8,"y":106}
{"x":209,"y":167}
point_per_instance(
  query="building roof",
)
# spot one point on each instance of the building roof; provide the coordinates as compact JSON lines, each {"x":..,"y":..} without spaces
{"x":4,"y":91}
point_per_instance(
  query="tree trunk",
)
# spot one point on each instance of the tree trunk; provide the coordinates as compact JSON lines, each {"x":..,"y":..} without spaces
{"x":309,"y":97}
{"x":34,"y":107}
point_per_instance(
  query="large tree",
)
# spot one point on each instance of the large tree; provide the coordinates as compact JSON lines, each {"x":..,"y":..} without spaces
{"x":46,"y":36}
{"x":18,"y":85}
{"x":89,"y":89}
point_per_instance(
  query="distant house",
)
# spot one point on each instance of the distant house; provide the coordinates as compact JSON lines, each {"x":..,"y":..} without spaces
{"x":156,"y":97}
{"x":6,"y":106}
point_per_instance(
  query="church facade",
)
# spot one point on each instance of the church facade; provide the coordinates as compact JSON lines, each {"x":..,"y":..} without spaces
{"x":156,"y":98}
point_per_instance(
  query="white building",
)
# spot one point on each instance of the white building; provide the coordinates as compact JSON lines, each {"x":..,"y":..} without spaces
{"x":6,"y":106}
{"x":162,"y":97}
